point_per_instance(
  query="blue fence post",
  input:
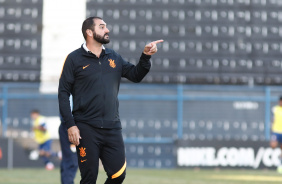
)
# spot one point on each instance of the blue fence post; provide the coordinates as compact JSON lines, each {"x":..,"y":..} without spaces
{"x":4,"y":111}
{"x":180,"y":111}
{"x":267,"y":113}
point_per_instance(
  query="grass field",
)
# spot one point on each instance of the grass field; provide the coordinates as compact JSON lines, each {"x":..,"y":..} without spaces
{"x":150,"y":176}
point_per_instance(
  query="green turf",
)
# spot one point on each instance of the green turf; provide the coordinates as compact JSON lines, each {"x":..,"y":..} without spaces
{"x":151,"y":176}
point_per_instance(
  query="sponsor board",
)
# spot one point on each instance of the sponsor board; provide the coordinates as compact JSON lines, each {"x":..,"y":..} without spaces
{"x":246,"y":154}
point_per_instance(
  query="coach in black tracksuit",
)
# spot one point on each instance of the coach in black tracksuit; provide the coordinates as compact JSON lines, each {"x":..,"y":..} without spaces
{"x":92,"y":75}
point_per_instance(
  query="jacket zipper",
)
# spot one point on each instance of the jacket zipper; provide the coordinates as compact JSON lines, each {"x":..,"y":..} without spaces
{"x":103,"y":93}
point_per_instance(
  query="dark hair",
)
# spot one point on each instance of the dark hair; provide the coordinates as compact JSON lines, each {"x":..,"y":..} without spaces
{"x":280,"y":98}
{"x":35,"y":111}
{"x":88,"y":24}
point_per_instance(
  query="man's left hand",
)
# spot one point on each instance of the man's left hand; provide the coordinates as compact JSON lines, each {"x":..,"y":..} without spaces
{"x":151,"y":48}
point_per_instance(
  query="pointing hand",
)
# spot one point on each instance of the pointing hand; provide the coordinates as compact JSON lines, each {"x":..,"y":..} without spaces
{"x":151,"y":48}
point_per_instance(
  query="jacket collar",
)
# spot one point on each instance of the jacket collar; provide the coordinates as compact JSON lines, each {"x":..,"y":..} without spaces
{"x":87,"y":51}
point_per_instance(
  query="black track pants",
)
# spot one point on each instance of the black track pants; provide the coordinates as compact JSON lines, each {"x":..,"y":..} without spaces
{"x":106,"y":144}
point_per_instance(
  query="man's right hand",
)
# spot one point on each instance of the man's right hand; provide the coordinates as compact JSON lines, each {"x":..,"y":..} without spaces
{"x":74,"y":135}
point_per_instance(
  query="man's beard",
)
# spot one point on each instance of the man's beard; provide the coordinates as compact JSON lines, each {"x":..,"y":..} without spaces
{"x":101,"y":39}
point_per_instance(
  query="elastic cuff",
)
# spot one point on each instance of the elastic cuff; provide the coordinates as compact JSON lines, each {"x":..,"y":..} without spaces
{"x":144,"y":56}
{"x":70,"y":125}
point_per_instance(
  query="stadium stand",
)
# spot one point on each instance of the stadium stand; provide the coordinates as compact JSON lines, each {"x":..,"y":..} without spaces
{"x":206,"y":42}
{"x":150,"y":155}
{"x":20,"y":40}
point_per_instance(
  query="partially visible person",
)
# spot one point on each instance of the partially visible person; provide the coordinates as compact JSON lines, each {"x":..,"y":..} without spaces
{"x":276,"y":136}
{"x":43,"y":138}
{"x":69,"y":163}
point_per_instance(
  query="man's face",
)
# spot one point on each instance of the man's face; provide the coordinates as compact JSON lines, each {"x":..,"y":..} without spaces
{"x":101,"y":32}
{"x":280,"y":102}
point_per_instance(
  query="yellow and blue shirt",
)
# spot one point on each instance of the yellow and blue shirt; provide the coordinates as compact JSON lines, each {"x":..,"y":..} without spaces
{"x":41,"y":136}
{"x":277,"y":119}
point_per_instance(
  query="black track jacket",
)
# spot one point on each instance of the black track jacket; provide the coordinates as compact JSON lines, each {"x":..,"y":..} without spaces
{"x":94,"y":84}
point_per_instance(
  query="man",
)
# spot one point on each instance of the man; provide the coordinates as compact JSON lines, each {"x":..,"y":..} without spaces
{"x":92,"y":75}
{"x":276,"y":137}
{"x":43,"y":138}
{"x":69,"y":160}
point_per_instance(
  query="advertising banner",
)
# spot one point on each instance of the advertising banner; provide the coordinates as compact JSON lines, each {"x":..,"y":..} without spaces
{"x":232,"y":154}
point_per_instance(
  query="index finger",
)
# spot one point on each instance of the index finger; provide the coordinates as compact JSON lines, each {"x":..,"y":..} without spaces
{"x":157,"y":41}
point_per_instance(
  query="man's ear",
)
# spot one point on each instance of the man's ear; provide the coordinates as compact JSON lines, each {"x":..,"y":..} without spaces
{"x":89,"y":32}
